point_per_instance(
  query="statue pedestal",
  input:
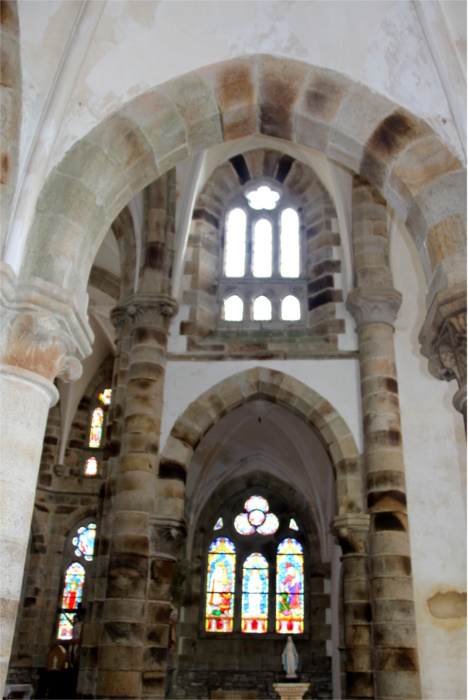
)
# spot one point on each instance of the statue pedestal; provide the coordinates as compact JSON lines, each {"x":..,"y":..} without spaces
{"x":291,"y":691}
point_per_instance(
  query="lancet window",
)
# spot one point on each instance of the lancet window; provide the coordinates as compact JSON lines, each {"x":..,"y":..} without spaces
{"x":78,"y":556}
{"x":262,"y":279}
{"x":96,"y":432}
{"x":255,"y":572}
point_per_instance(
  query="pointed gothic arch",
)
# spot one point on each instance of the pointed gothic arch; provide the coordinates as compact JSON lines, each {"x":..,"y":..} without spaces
{"x":277,"y":387}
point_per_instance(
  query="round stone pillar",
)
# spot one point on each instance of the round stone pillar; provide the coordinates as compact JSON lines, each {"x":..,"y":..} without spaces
{"x":393,"y":617}
{"x":351,"y":531}
{"x":38,"y":350}
{"x":126,"y":655}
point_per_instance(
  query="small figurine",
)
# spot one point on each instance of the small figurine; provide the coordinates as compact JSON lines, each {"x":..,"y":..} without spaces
{"x":290,"y":659}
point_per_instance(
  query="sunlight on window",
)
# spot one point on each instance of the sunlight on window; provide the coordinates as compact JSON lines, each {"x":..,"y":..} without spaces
{"x":290,"y":309}
{"x":263,"y":198}
{"x":234,"y":261}
{"x":262,"y":249}
{"x":262,"y":309}
{"x":289,"y":243}
{"x":233,"y":309}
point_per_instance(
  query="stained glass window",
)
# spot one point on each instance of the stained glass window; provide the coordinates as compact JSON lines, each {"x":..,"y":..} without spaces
{"x":71,"y":598}
{"x":219,"y":524}
{"x":290,"y":587}
{"x":105,"y":397}
{"x":220,"y":586}
{"x":256,"y":518}
{"x":91,"y":467}
{"x":84,"y":541}
{"x":255,"y":594}
{"x":97,"y":421}
{"x":293,"y":525}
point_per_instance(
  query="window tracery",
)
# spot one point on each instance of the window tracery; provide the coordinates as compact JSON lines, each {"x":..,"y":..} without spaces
{"x":261,"y":258}
{"x":254,"y":588}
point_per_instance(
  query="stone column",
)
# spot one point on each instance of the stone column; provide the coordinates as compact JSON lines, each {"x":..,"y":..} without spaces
{"x":98,"y":584}
{"x":351,"y":531}
{"x":38,"y":349}
{"x":394,"y":629}
{"x":126,"y":652}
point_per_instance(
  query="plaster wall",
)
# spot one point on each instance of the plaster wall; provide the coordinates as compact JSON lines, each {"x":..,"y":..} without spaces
{"x":185,"y":381}
{"x":138,"y":45}
{"x":435,"y":457}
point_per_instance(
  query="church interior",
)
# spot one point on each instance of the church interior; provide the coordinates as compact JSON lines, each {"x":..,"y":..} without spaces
{"x":233,"y":344}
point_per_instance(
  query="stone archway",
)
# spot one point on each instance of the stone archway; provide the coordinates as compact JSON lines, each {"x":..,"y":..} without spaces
{"x":280,"y":388}
{"x":318,"y":108}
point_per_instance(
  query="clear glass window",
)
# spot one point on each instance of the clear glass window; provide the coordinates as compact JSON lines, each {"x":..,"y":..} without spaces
{"x":290,"y":308}
{"x":233,"y":308}
{"x":289,"y":244}
{"x":262,"y":249}
{"x":234,"y":260}
{"x":262,"y":309}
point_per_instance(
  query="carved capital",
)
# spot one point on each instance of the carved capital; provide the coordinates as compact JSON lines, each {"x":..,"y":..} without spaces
{"x":373,"y":305}
{"x":118,"y":317}
{"x":156,"y":310}
{"x":37,"y":342}
{"x":167,"y":536}
{"x":443,"y":337}
{"x":351,"y":532}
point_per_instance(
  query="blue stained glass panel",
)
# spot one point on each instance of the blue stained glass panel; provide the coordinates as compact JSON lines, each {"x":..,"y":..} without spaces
{"x":255,"y":594}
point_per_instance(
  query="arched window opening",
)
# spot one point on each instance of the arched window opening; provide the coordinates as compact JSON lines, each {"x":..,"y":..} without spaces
{"x":262,"y":249}
{"x":255,"y":594}
{"x":97,"y":423}
{"x":96,"y":437}
{"x":233,"y":308}
{"x":81,"y":543}
{"x":234,"y":260}
{"x":220,"y":586}
{"x":91,"y":467}
{"x":290,"y":308}
{"x":262,"y":241}
{"x":290,"y":587}
{"x":289,"y":244}
{"x":262,"y":309}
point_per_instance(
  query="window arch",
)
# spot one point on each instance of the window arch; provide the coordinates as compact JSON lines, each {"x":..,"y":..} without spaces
{"x":262,"y":256}
{"x":255,"y":571}
{"x":79,"y":553}
{"x":96,"y":436}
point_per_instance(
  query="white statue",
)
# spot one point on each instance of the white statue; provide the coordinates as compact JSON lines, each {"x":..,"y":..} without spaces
{"x":290,"y":659}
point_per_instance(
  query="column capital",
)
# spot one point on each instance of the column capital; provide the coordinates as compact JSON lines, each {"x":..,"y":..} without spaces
{"x":149,"y":310}
{"x":118,"y":316}
{"x":351,"y":531}
{"x":373,"y":305}
{"x":43,"y":330}
{"x":443,"y":338}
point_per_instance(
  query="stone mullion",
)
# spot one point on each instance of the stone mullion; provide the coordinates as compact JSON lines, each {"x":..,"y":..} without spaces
{"x":351,"y":532}
{"x":97,"y":590}
{"x":394,"y":628}
{"x":122,"y":646}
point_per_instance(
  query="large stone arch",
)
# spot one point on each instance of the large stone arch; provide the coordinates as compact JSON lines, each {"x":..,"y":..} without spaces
{"x":280,"y":388}
{"x":315,"y":107}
